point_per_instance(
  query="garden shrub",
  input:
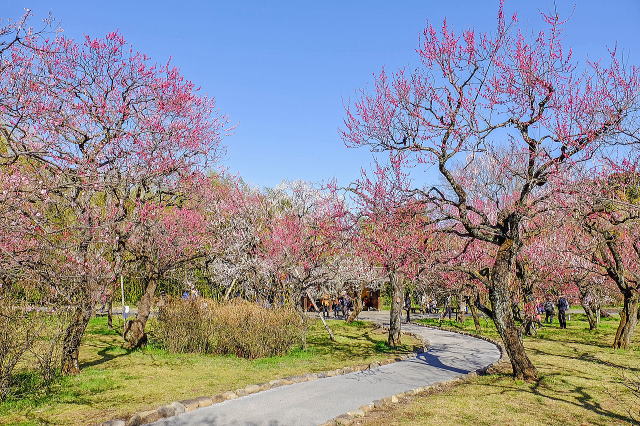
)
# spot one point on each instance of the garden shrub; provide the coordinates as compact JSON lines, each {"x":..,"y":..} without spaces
{"x":236,"y":327}
{"x":30,"y":341}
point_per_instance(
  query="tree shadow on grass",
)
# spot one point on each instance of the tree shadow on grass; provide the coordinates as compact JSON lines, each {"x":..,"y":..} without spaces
{"x":381,"y":347}
{"x":588,"y":357}
{"x":584,"y":400}
{"x":360,"y":346}
{"x":105,"y":356}
{"x":575,"y":341}
{"x":585,"y":356}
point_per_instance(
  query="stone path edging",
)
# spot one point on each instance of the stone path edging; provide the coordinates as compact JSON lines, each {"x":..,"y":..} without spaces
{"x":183,"y":406}
{"x":350,"y":417}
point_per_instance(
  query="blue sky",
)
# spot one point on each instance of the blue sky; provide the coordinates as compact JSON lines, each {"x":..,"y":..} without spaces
{"x":282,"y":70}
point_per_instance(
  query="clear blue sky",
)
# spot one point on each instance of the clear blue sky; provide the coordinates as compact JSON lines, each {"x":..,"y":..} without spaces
{"x":281,"y":70}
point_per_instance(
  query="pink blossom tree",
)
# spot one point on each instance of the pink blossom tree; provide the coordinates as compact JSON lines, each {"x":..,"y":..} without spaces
{"x":103,"y":132}
{"x":522,"y":103}
{"x":608,"y":209}
{"x":163,"y":239}
{"x":303,"y":238}
{"x":392,"y":232}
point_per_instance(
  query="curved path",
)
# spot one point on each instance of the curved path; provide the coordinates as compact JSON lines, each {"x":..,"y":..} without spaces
{"x":316,"y":402}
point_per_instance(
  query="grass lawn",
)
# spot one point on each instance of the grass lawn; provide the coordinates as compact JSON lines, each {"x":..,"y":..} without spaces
{"x":580,"y":383}
{"x":114,"y":382}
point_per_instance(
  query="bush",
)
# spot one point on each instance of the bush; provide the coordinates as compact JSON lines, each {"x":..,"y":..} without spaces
{"x":237,"y":327}
{"x":30,"y":340}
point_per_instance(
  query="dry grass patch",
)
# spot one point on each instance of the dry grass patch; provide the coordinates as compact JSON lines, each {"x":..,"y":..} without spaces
{"x":237,"y":327}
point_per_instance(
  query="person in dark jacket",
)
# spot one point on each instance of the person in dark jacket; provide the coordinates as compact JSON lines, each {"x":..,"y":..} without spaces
{"x":563,"y":307}
{"x":407,"y":305}
{"x":549,"y":312}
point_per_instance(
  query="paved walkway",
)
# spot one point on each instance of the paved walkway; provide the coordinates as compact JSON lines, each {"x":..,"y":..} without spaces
{"x":316,"y":402}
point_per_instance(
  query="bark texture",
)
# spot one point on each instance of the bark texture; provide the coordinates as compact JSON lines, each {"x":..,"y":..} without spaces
{"x":73,"y":337}
{"x":134,"y":330}
{"x":357,"y":304}
{"x":395,"y":319}
{"x":474,"y":313}
{"x":500,"y":295}
{"x":628,"y":320}
{"x":592,"y":311}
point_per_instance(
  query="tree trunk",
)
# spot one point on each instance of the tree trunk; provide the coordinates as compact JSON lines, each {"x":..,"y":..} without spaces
{"x":110,"y":312}
{"x":628,"y":320}
{"x":500,"y":295}
{"x":589,"y":303}
{"x":446,"y":308}
{"x":134,"y":330}
{"x":73,"y":337}
{"x":395,"y":319}
{"x":592,"y":311}
{"x":357,"y":304}
{"x":229,"y":290}
{"x":474,"y":314}
{"x":321,"y":316}
{"x":460,"y":314}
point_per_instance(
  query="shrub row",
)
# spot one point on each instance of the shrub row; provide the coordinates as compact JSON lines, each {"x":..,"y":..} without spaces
{"x":236,"y":327}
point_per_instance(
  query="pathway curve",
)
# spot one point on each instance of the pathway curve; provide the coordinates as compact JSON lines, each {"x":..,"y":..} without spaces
{"x":316,"y":402}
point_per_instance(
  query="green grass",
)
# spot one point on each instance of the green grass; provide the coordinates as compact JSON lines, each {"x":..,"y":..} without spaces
{"x":115,"y":382}
{"x":581,"y":382}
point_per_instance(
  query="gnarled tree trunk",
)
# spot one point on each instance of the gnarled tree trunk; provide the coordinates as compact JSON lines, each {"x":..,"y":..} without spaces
{"x":628,"y":320}
{"x":592,"y":311}
{"x":134,"y":330}
{"x":589,"y":303}
{"x":357,"y":303}
{"x":460,"y":314}
{"x":73,"y":336}
{"x":395,"y":319}
{"x":500,"y":295}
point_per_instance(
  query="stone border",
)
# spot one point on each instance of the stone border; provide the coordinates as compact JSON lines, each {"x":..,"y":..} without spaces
{"x":179,"y":407}
{"x":350,"y":417}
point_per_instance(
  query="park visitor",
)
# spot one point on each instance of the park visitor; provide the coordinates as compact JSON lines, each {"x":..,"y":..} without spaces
{"x":549,"y":311}
{"x":563,"y":307}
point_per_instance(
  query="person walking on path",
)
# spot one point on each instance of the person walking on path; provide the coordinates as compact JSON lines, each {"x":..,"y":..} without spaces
{"x":549,"y":311}
{"x":325,"y":302}
{"x":407,"y":306}
{"x":345,"y":305}
{"x":563,"y":307}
